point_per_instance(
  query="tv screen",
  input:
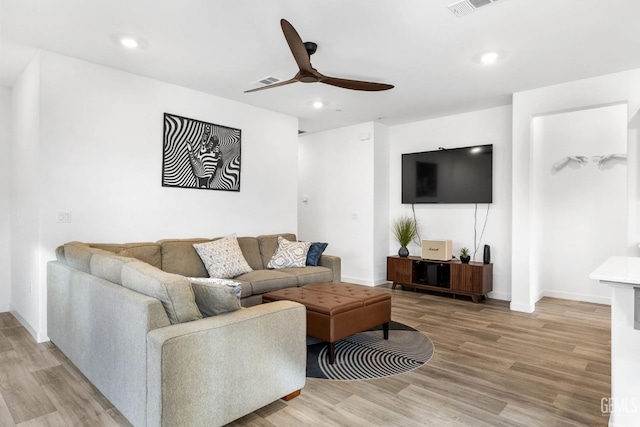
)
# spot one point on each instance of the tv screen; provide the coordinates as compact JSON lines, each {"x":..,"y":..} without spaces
{"x":458,"y":175}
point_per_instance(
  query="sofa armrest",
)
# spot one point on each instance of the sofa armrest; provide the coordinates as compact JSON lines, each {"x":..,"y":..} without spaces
{"x":214,"y":370}
{"x":334,"y":263}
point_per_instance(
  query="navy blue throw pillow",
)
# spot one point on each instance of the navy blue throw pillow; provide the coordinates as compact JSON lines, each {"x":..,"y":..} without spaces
{"x":315,"y":252}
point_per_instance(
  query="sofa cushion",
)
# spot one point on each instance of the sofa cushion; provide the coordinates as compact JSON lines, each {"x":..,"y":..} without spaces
{"x":251,"y":251}
{"x":289,"y":254}
{"x":109,"y":267}
{"x":148,"y":252}
{"x":214,"y":297}
{"x":78,"y":255}
{"x":268,"y":280}
{"x":315,"y":252}
{"x":174,"y":291}
{"x":310,"y":274}
{"x":180,"y":257}
{"x":223,"y":258}
{"x":269,"y":243}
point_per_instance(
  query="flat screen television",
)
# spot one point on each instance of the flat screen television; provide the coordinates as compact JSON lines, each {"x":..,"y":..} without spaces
{"x":458,"y":175}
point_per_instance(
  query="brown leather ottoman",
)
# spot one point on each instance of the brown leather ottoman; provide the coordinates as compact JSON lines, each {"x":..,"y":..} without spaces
{"x":338,"y":310}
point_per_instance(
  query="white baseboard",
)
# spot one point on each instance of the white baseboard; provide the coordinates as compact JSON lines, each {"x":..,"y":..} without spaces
{"x":525,"y":308}
{"x":5,"y":308}
{"x":357,"y":281}
{"x":499,"y":295}
{"x":578,"y":297}
{"x":38,"y":336}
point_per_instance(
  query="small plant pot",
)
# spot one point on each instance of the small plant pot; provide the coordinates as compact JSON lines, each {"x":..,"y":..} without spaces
{"x":403,"y":252}
{"x":465,"y":259}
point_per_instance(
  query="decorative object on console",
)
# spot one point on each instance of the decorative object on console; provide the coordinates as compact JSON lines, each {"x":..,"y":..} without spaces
{"x":464,"y":255}
{"x":198,"y":154}
{"x":404,"y":229}
{"x":289,"y":254}
{"x":223,"y":258}
{"x":486,"y":258}
{"x":439,"y":250}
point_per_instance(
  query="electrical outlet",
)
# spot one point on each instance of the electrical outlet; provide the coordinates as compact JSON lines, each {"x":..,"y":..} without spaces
{"x":63,"y":217}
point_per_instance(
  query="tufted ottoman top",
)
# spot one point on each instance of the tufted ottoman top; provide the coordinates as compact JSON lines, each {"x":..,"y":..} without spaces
{"x":330,"y":298}
{"x":367,"y":294}
{"x":320,"y":302}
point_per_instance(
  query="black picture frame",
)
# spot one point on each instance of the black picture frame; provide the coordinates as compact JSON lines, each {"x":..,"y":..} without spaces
{"x":200,"y":155}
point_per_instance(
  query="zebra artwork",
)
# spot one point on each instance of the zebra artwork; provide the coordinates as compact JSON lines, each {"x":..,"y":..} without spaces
{"x":198,"y":154}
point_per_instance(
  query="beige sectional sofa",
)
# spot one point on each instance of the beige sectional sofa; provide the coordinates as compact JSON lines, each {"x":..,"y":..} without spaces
{"x":125,"y":315}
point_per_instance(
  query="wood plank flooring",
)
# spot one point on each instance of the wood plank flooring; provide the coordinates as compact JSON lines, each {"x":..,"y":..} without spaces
{"x":491,"y":367}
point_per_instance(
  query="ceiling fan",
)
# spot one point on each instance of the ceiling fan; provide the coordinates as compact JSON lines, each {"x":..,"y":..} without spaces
{"x":302,"y":54}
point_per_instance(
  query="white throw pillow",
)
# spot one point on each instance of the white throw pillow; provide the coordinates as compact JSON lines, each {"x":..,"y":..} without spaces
{"x":289,"y":254}
{"x":223,"y":258}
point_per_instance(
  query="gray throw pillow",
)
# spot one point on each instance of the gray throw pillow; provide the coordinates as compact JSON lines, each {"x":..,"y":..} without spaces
{"x":215,"y":297}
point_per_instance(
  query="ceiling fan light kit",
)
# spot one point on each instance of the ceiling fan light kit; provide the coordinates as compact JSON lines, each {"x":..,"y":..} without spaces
{"x":307,"y":74}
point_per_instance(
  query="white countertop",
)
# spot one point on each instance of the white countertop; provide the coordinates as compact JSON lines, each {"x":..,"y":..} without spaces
{"x":619,"y":269}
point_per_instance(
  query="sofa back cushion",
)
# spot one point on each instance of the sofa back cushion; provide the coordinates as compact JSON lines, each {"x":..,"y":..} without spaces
{"x":269,"y":243}
{"x":148,"y":252}
{"x":180,"y":257}
{"x":78,"y":255}
{"x":173,"y":290}
{"x":109,"y":267}
{"x":251,"y":251}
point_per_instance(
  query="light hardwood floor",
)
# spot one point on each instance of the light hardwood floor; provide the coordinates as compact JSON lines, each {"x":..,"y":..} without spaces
{"x":491,"y":367}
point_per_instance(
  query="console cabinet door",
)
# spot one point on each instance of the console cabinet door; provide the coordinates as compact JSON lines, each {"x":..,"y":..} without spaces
{"x":399,"y":269}
{"x":471,"y":278}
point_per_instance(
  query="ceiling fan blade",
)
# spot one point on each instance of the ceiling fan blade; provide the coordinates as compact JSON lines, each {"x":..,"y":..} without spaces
{"x":297,"y":47}
{"x":354,"y":84}
{"x":286,"y":82}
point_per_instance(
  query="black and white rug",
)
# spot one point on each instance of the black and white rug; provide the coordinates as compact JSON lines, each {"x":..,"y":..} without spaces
{"x":368,"y":355}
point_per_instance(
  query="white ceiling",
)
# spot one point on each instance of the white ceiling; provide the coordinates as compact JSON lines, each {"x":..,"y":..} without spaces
{"x":430,"y":55}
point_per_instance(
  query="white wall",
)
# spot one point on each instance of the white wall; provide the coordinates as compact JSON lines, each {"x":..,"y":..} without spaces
{"x":100,"y":143}
{"x":580,"y":210}
{"x":579,"y":95}
{"x":456,"y":222}
{"x":337,"y":176}
{"x":26,"y":268}
{"x":5,"y":198}
{"x":381,"y":222}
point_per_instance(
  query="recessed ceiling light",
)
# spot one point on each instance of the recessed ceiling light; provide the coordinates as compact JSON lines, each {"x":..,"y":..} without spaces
{"x":318,"y":104}
{"x":129,"y":42}
{"x":489,"y":58}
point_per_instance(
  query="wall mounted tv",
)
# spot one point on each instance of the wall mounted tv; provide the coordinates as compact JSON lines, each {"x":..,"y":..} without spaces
{"x":458,"y":175}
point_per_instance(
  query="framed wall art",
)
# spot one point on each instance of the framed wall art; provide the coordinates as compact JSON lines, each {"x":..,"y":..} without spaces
{"x":198,"y":154}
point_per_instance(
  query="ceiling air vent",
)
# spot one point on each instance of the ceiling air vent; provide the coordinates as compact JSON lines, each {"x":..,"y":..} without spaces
{"x":465,"y":7}
{"x":266,"y":81}
{"x":269,"y":80}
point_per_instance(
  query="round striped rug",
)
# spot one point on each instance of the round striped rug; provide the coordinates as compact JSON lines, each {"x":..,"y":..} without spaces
{"x":368,"y":355}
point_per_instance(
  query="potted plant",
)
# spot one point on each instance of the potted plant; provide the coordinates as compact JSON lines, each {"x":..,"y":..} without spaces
{"x":464,"y":255}
{"x":404,"y":229}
